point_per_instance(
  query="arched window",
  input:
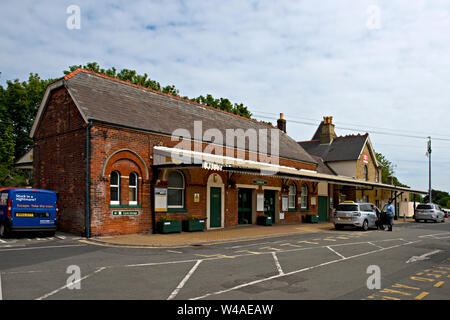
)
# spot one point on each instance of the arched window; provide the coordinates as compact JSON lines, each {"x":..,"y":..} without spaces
{"x":377,"y":176}
{"x":366,"y":174}
{"x":304,"y":197}
{"x":133,"y":189}
{"x":292,"y":195}
{"x":175,"y":190}
{"x":114,"y":187}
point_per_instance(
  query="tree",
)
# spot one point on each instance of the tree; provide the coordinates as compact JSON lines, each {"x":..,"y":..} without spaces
{"x":441,"y":198}
{"x":387,"y":170}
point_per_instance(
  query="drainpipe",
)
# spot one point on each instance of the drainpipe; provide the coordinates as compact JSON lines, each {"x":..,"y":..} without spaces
{"x":155,"y":174}
{"x":88,"y":178}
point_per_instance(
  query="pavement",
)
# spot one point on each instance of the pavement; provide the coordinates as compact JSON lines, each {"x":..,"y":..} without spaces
{"x":237,"y":233}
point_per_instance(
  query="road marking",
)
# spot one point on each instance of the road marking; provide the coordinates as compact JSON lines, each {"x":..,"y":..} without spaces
{"x":440,"y":283}
{"x":1,"y":295}
{"x":61,"y":237}
{"x":420,"y":296}
{"x":183,"y":282}
{"x":389,"y":298}
{"x":3,"y":241}
{"x":270,"y":248}
{"x":291,"y":245}
{"x":340,"y":255}
{"x":374,"y":245}
{"x":422,"y":279}
{"x":395,"y":291}
{"x":45,"y":296}
{"x":434,"y":275}
{"x":329,"y":239}
{"x":434,"y":235}
{"x":215,"y":256}
{"x":309,"y":242}
{"x":253,"y":244}
{"x":422,"y":257}
{"x":398,"y":285}
{"x":277,"y":263}
{"x":174,"y":251}
{"x":247,"y":251}
{"x":243,"y":285}
{"x":46,"y":247}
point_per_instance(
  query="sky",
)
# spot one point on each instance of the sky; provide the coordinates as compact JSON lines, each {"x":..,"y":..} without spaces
{"x":375,"y":66}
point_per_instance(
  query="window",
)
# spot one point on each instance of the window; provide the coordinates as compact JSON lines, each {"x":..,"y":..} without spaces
{"x":366,"y":175}
{"x":292,"y":195}
{"x":377,"y":176}
{"x":175,"y":190}
{"x":304,"y":197}
{"x":114,"y":186}
{"x":133,"y":189}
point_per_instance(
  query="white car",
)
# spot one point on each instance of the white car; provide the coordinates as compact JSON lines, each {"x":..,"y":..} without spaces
{"x":429,"y":212}
{"x":359,"y":215}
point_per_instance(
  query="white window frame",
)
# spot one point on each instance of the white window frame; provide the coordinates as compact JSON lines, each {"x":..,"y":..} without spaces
{"x":135,"y":187}
{"x":304,"y":204}
{"x":115,"y":186}
{"x":183,"y":190}
{"x":292,"y":196}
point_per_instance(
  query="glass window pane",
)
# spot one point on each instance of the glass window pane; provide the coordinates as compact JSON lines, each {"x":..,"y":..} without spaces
{"x":114,"y":194}
{"x":175,"y":197}
{"x":291,"y":201}
{"x":175,"y":180}
{"x":132,"y":195}
{"x":114,"y":178}
{"x":132,"y":179}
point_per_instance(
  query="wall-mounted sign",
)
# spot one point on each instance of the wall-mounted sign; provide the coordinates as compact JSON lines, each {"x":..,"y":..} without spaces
{"x":212,"y":166}
{"x":160,"y":199}
{"x":125,"y":213}
{"x":260,"y":202}
{"x":313,"y":201}
{"x":196,"y":197}
{"x":365,"y":158}
{"x":281,"y":215}
{"x":260,"y":182}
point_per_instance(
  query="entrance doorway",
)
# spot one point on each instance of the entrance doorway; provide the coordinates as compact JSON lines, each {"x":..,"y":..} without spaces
{"x":215,"y":207}
{"x":245,"y":206}
{"x":323,"y":208}
{"x":269,"y":204}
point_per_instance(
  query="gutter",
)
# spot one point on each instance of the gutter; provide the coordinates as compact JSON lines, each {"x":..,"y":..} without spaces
{"x":88,"y":184}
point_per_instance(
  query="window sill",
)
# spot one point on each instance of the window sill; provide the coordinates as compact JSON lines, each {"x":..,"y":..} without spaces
{"x":292,"y":210}
{"x":177,"y":210}
{"x":124,"y":206}
{"x":304,"y":210}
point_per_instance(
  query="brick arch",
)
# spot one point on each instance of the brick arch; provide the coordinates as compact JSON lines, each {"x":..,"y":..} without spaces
{"x":125,"y":154}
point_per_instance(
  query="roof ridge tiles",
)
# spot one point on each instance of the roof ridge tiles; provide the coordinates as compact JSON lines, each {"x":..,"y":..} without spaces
{"x":187,"y":100}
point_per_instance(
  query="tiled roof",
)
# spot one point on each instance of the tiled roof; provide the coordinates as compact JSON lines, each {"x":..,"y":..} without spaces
{"x":118,"y":102}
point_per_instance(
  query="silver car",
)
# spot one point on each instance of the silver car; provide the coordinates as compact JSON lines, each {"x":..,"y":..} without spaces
{"x":429,"y":212}
{"x":359,"y":215}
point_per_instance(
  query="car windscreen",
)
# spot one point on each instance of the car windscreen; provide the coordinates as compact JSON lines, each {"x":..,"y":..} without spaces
{"x":347,"y":207}
{"x":424,"y":206}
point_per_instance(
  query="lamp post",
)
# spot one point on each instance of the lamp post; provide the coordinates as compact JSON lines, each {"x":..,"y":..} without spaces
{"x":429,"y":169}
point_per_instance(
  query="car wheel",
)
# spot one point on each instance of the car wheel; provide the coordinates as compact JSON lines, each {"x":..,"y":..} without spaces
{"x":417,"y":220}
{"x":3,"y":231}
{"x":365,"y":225}
{"x":338,"y":226}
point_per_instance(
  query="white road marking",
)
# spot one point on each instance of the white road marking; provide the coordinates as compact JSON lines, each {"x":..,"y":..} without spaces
{"x":435,"y":234}
{"x":340,"y":255}
{"x":1,"y":295}
{"x":45,"y":296}
{"x":422,"y":257}
{"x":297,"y":271}
{"x":253,"y":244}
{"x":61,"y":237}
{"x":183,"y":282}
{"x":277,"y":263}
{"x":2,"y":241}
{"x":374,"y":245}
{"x":46,"y":247}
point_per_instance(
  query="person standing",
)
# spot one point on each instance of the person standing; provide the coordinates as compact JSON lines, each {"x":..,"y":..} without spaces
{"x":390,"y":212}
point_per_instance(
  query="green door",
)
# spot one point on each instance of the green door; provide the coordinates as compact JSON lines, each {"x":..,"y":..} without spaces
{"x":244,"y":206}
{"x":323,"y":208}
{"x":269,"y":204}
{"x":215,"y":208}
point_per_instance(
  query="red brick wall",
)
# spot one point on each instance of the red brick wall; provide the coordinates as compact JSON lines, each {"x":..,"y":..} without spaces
{"x":59,"y":159}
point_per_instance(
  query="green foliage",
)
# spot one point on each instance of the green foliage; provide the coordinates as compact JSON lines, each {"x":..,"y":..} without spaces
{"x":387,"y":171}
{"x":441,"y":198}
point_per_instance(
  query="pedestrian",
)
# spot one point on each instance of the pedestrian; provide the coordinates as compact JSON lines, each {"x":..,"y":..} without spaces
{"x":378,"y":221}
{"x":390,"y":212}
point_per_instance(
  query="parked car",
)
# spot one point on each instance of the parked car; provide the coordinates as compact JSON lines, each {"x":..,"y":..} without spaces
{"x":359,"y":215}
{"x":429,"y":212}
{"x":28,"y":210}
{"x":446,"y":212}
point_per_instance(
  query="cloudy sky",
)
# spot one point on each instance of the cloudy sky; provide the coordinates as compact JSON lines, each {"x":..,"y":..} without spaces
{"x":376,"y":66}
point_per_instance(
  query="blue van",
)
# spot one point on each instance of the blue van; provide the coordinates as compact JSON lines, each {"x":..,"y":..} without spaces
{"x":28,"y":210}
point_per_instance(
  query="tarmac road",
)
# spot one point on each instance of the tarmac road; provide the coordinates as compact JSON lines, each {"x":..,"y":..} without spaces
{"x":413,"y":262}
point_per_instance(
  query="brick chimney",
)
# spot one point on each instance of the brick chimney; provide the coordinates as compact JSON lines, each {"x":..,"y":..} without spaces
{"x":327,"y":135}
{"x":281,"y":123}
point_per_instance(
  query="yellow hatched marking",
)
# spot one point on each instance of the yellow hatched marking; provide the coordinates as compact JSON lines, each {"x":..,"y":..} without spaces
{"x":342,"y":238}
{"x":398,"y":285}
{"x":309,"y":242}
{"x":434,"y":275}
{"x":420,"y":296}
{"x":290,"y":245}
{"x":329,"y":239}
{"x":395,"y":291}
{"x":446,"y":268}
{"x":389,"y":298}
{"x":419,"y":273}
{"x":270,"y":248}
{"x":440,"y":271}
{"x":247,"y":251}
{"x":440,"y":283}
{"x":422,"y":279}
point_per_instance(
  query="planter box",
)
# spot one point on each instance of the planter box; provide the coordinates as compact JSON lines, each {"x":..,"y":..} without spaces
{"x":194,"y":225}
{"x":264,"y":221}
{"x":311,"y":219}
{"x":169,"y":226}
